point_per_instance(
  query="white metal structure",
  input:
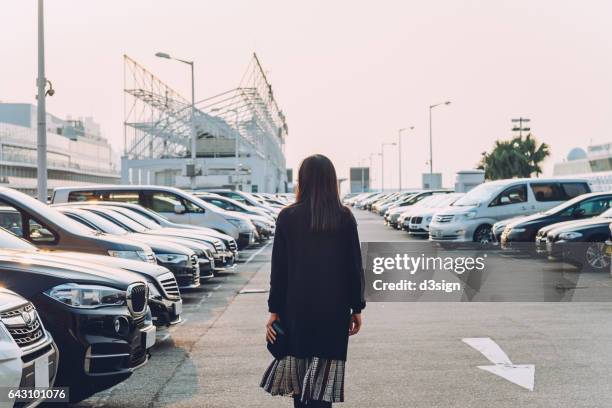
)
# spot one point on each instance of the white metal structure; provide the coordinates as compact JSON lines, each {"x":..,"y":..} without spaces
{"x":240,"y":134}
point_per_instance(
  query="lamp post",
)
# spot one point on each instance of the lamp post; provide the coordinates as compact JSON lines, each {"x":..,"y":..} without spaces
{"x":371,"y":164}
{"x":430,"y":138}
{"x":194,"y":137}
{"x":382,"y":164}
{"x":41,"y":111}
{"x":399,"y":150}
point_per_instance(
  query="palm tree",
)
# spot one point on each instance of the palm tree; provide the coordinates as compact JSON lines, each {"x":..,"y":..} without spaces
{"x":517,"y":157}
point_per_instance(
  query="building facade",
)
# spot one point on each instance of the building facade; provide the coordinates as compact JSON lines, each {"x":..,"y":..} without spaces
{"x":76,"y":152}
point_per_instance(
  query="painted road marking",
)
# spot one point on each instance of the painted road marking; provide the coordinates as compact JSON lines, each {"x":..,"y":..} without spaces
{"x":522,"y":375}
{"x":254,"y":254}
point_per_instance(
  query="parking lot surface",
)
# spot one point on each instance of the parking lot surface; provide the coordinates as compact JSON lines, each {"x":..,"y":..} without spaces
{"x":407,"y":355}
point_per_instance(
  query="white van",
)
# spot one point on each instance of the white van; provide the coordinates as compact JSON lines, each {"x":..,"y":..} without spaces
{"x":174,"y":204}
{"x":471,"y":217}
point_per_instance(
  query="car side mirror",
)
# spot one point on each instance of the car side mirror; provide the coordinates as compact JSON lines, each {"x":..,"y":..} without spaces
{"x":179,"y":209}
{"x":578,"y":212}
{"x":504,"y":200}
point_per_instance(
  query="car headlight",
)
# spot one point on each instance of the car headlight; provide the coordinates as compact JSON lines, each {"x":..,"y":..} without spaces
{"x":428,"y":219}
{"x":470,"y":214}
{"x":569,"y":235}
{"x":171,"y":258}
{"x":518,"y":230}
{"x":134,"y":255}
{"x":87,"y":296}
{"x":153,"y":292}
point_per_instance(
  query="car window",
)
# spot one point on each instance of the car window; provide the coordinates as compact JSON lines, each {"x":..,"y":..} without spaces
{"x":164,"y":202}
{"x":84,"y":196}
{"x":511,"y":195}
{"x":547,"y":192}
{"x":39,"y":233}
{"x":11,"y":220}
{"x":192,"y":207}
{"x":596,"y":206}
{"x":122,"y":196}
{"x":574,"y":189}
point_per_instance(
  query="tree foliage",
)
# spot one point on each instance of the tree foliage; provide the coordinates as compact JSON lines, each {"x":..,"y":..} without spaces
{"x":517,"y":157}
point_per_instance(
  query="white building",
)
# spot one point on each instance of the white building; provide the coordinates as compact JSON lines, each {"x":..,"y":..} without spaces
{"x":76,"y":152}
{"x":594,"y":164}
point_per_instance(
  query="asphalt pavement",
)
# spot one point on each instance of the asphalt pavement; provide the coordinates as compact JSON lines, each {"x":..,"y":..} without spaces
{"x":407,"y":354}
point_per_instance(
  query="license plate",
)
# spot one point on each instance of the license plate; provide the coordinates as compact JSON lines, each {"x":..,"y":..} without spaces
{"x":41,"y":372}
{"x":178,"y":308}
{"x":608,"y":249}
{"x":148,"y":337}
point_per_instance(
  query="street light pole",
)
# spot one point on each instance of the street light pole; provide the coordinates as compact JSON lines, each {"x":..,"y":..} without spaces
{"x":382,"y":164}
{"x":41,"y":111}
{"x":194,"y":136}
{"x":399,"y":150}
{"x":430,"y":135}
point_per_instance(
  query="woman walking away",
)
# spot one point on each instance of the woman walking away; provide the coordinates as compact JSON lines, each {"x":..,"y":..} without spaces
{"x":316,"y":290}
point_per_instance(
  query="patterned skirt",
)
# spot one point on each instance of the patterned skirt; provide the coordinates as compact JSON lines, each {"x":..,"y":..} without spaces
{"x":311,"y":378}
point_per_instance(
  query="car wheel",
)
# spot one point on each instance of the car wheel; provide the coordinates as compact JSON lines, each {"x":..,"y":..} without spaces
{"x":484,"y":235}
{"x":595,"y":257}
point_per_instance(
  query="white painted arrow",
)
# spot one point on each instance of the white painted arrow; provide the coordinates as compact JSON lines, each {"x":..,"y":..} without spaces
{"x":522,"y":375}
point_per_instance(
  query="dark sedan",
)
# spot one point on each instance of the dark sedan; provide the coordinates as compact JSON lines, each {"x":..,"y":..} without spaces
{"x":522,"y":232}
{"x":581,"y":243}
{"x":98,"y":317}
{"x":180,"y":260}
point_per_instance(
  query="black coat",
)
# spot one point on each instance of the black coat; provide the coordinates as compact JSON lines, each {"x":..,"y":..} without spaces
{"x":317,"y":281}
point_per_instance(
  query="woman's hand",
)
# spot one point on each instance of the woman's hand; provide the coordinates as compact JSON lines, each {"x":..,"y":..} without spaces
{"x":270,"y":333}
{"x":355,"y":324}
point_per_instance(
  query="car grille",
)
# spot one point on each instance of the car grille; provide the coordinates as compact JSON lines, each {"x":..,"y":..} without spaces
{"x":168,"y":282}
{"x":137,"y":298}
{"x":218,"y":246}
{"x":24,"y":325}
{"x":444,"y":218}
{"x":232,"y":245}
{"x":416,"y":220}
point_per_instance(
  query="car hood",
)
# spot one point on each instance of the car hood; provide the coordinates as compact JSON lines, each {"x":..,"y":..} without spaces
{"x":184,"y":233}
{"x":455,"y":209}
{"x":34,"y":272}
{"x":159,"y":244}
{"x":10,"y":300}
{"x":533,"y":220}
{"x":145,"y":269}
{"x":581,"y":224}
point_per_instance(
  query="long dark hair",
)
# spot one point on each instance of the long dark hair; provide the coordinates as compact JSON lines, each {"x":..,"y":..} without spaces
{"x":318,"y":190}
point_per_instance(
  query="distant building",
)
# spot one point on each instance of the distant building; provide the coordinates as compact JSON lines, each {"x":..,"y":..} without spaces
{"x":595,"y":159}
{"x":76,"y":151}
{"x":594,"y":164}
{"x":359,"y":179}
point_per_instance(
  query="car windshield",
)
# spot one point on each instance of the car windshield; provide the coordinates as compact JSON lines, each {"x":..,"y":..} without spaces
{"x":140,"y":219}
{"x":123,"y":220}
{"x":477,"y":195}
{"x":8,"y":240}
{"x":564,"y":206}
{"x":98,"y":221}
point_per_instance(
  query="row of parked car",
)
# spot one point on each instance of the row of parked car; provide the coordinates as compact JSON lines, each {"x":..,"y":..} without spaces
{"x":560,"y":218}
{"x":88,"y":279}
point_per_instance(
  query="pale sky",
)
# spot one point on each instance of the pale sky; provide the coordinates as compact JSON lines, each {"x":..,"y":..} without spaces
{"x":348,"y":74}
